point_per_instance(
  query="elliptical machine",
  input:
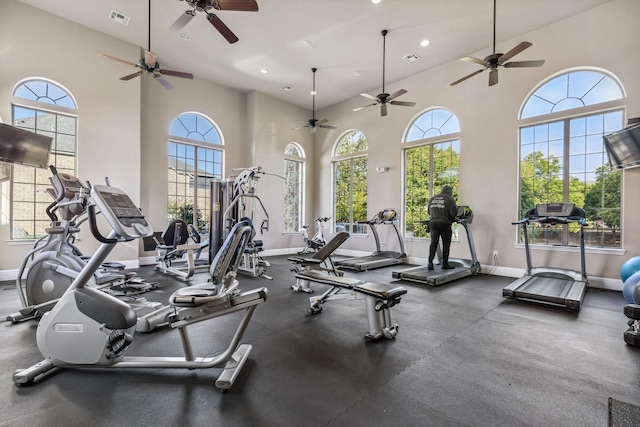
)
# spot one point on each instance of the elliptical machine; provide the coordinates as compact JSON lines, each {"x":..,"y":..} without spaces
{"x":317,"y":241}
{"x":88,"y":328}
{"x":54,"y":262}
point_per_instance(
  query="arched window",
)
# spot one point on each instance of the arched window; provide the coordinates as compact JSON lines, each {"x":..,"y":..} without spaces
{"x":193,"y":162}
{"x":431,"y":161}
{"x":350,"y":182}
{"x":562,"y":156}
{"x":293,"y":187}
{"x":43,"y":107}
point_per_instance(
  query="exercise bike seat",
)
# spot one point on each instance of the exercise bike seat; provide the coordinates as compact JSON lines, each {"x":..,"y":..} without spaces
{"x":193,"y":296}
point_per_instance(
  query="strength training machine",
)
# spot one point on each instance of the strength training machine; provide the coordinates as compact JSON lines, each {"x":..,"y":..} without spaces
{"x":548,"y":285}
{"x":462,"y":267}
{"x":91,"y":329}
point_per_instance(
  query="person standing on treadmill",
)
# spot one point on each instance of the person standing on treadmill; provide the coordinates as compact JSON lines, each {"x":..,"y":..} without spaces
{"x":442,"y":213}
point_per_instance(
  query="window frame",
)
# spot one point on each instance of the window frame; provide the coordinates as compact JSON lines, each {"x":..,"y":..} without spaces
{"x":196,"y":145}
{"x":354,"y":228}
{"x":301,"y":160}
{"x":566,"y":116}
{"x":46,"y":107}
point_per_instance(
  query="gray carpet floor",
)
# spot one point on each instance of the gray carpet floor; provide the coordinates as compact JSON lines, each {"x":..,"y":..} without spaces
{"x":464,"y":356}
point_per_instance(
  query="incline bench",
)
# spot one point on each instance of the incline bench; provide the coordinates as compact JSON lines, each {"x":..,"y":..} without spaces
{"x":379,"y":300}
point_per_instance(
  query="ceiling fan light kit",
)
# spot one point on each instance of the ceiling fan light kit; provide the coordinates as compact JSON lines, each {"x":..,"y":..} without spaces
{"x":150,"y":65}
{"x":384,"y":98}
{"x":313,"y":123}
{"x":204,"y":6}
{"x":495,"y":60}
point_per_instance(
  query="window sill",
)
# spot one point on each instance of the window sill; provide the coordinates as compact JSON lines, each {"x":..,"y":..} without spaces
{"x":589,"y":250}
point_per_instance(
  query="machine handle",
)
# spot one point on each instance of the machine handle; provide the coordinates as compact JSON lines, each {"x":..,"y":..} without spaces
{"x":94,"y":228}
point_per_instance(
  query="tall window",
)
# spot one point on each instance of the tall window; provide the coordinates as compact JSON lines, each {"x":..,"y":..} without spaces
{"x":293,"y":184}
{"x":49,"y":112}
{"x":350,"y":182}
{"x":431,"y":161}
{"x":562,"y":159}
{"x":193,"y":162}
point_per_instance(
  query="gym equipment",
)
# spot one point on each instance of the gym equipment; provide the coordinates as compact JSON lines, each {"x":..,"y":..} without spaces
{"x":379,"y":300}
{"x":321,"y":260}
{"x":54,"y":261}
{"x":179,"y":248}
{"x":232,"y":200}
{"x":631,"y":290}
{"x":317,"y":241}
{"x":379,"y":258}
{"x":629,"y":267}
{"x":555,"y":286}
{"x":91,"y":329}
{"x":462,"y":267}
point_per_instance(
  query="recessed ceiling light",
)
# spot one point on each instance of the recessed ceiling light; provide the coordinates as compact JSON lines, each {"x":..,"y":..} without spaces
{"x":185,"y":36}
{"x":357,"y":73}
{"x":425,"y":43}
{"x":375,"y":1}
{"x":307,"y":43}
{"x":264,"y":71}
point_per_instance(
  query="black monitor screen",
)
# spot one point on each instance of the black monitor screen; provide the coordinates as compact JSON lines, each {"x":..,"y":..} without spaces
{"x":623,"y":147}
{"x":24,"y":147}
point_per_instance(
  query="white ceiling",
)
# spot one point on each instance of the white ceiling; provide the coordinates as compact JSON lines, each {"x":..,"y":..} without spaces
{"x":345,"y":37}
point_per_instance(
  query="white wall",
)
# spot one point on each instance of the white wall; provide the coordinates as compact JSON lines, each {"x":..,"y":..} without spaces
{"x":108,"y":126}
{"x":607,"y":37}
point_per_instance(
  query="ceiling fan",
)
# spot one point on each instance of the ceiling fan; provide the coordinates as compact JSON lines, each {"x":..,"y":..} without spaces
{"x":150,"y":65}
{"x":495,"y":60}
{"x":384,"y":98}
{"x":314,"y":123}
{"x":206,"y":5}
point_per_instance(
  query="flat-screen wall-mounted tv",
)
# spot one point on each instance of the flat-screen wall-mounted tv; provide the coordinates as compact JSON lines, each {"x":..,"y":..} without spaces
{"x":623,"y":147}
{"x":24,"y":147}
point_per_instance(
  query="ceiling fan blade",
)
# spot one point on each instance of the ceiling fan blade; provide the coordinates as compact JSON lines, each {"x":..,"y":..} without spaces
{"x":466,"y":77}
{"x":328,"y":127}
{"x":383,"y":110}
{"x":150,"y":58}
{"x":493,"y":77}
{"x":130,"y":76}
{"x":163,"y":81}
{"x":513,"y":52}
{"x":366,"y":95}
{"x":176,"y":74}
{"x":222,"y":28}
{"x":182,"y":21}
{"x":403,"y":103}
{"x":364,"y":106}
{"x":521,"y":64}
{"x":319,"y":122}
{"x":396,"y":94}
{"x":474,"y":60}
{"x":117,"y":59}
{"x":300,"y":127}
{"x":238,"y":5}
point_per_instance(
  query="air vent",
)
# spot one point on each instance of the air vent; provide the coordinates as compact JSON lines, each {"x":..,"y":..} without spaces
{"x":120,"y":18}
{"x":411,"y":57}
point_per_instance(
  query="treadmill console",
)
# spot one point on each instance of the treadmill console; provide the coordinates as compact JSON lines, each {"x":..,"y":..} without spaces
{"x":119,"y":210}
{"x":556,"y":213}
{"x":464,"y":214}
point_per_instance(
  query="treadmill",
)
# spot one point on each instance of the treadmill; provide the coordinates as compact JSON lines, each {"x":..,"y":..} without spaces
{"x":548,"y":285}
{"x":379,"y":258}
{"x":463,"y":267}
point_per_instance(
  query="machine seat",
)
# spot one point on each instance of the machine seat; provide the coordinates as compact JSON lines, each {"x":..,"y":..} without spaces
{"x":383,"y":292}
{"x":319,"y":277}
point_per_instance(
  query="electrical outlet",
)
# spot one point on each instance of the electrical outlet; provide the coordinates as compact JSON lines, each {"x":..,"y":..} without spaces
{"x":495,"y":254}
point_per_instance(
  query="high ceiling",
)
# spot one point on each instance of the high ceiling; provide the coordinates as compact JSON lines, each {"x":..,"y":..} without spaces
{"x":345,"y":39}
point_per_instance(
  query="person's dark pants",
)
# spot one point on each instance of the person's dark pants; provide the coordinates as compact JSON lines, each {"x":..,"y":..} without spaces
{"x":440,"y":230}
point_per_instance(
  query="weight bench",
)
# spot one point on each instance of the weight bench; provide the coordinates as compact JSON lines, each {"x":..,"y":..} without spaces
{"x":379,"y":299}
{"x":319,"y":261}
